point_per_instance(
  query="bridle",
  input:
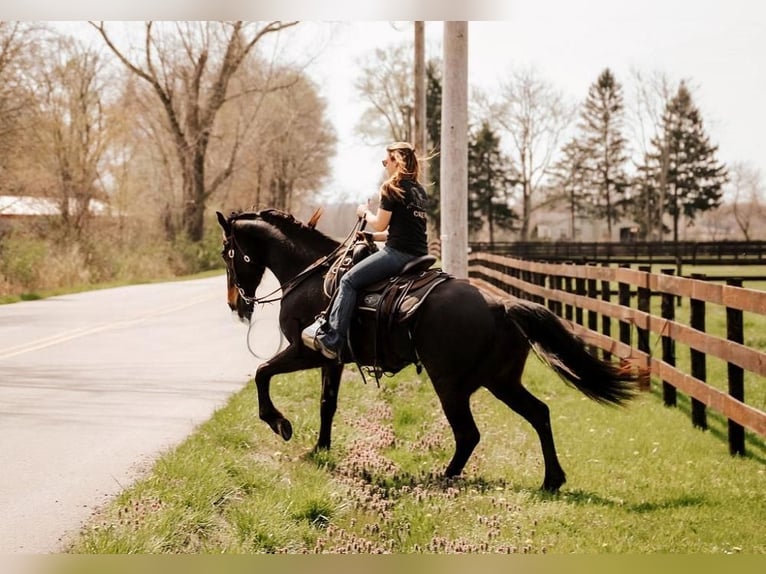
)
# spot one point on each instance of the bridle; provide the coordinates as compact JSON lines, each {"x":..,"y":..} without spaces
{"x":231,"y":246}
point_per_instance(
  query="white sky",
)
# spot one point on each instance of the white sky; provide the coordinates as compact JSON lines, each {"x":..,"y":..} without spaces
{"x":720,"y":51}
{"x":719,"y":45}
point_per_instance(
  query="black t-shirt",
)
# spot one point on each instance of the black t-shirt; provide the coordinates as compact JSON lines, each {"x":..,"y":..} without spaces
{"x":407,"y":228}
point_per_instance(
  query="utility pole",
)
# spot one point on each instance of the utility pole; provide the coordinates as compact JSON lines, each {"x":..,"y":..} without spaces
{"x":454,"y":145}
{"x":420,"y":142}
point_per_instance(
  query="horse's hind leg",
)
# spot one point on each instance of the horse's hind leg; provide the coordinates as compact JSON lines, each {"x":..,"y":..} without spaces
{"x":537,"y":413}
{"x":457,"y":408}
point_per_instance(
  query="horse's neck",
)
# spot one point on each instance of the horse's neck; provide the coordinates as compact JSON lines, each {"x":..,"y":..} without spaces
{"x":286,"y":263}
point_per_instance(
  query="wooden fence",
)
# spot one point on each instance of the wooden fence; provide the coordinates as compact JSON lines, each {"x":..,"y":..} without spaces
{"x":643,"y":252}
{"x":580,"y":292}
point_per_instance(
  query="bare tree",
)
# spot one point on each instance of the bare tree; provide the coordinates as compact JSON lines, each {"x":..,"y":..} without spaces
{"x":70,"y":134}
{"x":386,"y":82}
{"x":747,"y":193}
{"x":534,"y":116}
{"x":190,"y":71}
{"x":18,"y":55}
{"x":142,"y":167}
{"x":652,"y":93}
{"x":285,"y":156}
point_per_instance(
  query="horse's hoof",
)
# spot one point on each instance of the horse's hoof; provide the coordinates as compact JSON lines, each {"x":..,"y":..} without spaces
{"x":284,"y":429}
{"x":450,"y":473}
{"x":554,"y":484}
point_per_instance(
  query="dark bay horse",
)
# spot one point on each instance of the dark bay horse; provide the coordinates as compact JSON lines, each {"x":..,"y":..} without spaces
{"x":464,"y":338}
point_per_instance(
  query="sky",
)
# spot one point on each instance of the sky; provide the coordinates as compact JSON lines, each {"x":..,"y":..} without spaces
{"x":717,"y":45}
{"x":719,"y":50}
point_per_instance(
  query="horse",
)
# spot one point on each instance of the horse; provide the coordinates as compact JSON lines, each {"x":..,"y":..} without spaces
{"x":502,"y":333}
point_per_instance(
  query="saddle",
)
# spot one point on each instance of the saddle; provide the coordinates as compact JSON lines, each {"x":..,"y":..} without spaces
{"x":384,"y":309}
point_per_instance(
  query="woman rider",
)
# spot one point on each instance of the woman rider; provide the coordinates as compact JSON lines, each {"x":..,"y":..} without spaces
{"x":400,"y":221}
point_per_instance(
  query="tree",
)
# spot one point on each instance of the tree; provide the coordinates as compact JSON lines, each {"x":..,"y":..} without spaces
{"x":747,"y":196}
{"x":190,"y":71}
{"x":434,"y":134}
{"x":570,"y":179}
{"x":490,"y":180}
{"x":534,"y":116}
{"x":682,"y":151}
{"x":71,"y":130}
{"x":652,"y":94}
{"x":604,"y":146}
{"x":386,"y":82}
{"x":289,"y":157}
{"x":19,"y":56}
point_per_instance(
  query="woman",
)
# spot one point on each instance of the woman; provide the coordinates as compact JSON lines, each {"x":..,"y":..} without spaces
{"x":400,"y":221}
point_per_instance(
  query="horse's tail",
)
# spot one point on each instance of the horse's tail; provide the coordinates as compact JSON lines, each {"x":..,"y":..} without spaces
{"x":567,"y":354}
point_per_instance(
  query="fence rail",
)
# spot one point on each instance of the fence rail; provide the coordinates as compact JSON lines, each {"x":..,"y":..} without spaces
{"x":580,"y":292}
{"x":690,"y":252}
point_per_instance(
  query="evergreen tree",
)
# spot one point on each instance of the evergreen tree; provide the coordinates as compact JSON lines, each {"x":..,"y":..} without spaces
{"x":683,"y":175}
{"x":605,"y":147}
{"x":490,"y":180}
{"x":434,"y":133}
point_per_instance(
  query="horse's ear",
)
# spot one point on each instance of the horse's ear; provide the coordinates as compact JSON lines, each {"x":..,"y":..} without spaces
{"x":312,"y":223}
{"x":223,"y":222}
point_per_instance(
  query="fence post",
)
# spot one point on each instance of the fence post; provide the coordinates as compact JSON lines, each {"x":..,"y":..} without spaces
{"x":644,"y":296}
{"x":526,"y":277}
{"x":554,"y":303}
{"x":539,"y":279}
{"x":516,"y":274}
{"x":592,"y":315}
{"x":624,"y":301}
{"x":606,"y":320}
{"x":698,"y":360}
{"x":668,"y":344}
{"x":735,"y":333}
{"x":579,"y":290}
{"x":568,"y":308}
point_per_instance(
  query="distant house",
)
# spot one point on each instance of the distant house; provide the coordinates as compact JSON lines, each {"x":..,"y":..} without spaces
{"x":13,"y":206}
{"x":18,"y":206}
{"x":26,"y":207}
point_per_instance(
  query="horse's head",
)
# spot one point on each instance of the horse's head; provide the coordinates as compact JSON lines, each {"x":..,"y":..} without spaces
{"x":270,"y":238}
{"x":244,"y":264}
{"x":256,"y":240}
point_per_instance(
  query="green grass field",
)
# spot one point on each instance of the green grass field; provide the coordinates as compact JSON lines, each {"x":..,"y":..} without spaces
{"x":641,"y":480}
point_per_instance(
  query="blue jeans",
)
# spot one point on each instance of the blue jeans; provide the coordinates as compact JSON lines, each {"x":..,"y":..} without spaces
{"x":384,"y":263}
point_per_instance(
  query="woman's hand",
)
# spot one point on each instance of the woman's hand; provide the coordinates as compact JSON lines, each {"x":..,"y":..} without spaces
{"x":361,"y":211}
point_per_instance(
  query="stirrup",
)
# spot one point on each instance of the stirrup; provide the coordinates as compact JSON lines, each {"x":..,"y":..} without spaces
{"x":309,"y":334}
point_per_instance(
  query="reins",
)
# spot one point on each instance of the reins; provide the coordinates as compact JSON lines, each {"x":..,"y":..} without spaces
{"x":295,"y":281}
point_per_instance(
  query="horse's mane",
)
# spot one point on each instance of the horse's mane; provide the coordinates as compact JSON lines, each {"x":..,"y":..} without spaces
{"x":287,"y":224}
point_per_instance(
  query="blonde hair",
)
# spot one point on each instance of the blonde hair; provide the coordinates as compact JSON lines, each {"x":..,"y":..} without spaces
{"x":407,"y":167}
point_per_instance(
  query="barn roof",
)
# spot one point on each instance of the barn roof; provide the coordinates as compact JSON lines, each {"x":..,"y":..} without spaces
{"x":26,"y":205}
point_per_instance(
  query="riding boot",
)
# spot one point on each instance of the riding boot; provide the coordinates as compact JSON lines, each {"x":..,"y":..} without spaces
{"x":313,"y":337}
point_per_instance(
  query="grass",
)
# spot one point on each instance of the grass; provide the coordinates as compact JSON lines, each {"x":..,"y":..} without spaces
{"x":641,"y":480}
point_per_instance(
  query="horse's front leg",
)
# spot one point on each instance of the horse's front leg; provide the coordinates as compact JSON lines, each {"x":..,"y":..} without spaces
{"x":289,"y":360}
{"x":266,"y":409}
{"x":331,"y":374}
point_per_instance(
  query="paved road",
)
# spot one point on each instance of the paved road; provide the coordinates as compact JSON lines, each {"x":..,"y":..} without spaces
{"x":94,"y":386}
